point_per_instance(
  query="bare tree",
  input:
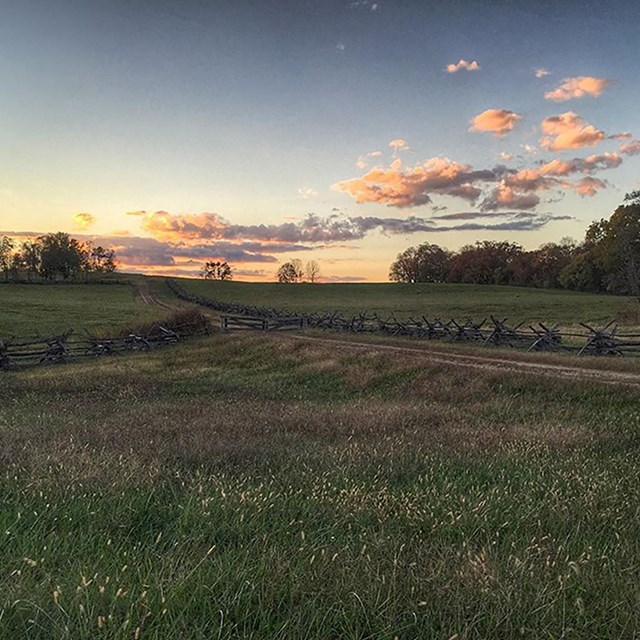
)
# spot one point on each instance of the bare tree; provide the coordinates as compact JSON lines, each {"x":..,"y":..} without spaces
{"x":312,"y":270}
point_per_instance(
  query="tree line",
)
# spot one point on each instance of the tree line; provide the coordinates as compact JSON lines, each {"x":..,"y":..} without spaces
{"x":54,"y":255}
{"x":607,"y":260}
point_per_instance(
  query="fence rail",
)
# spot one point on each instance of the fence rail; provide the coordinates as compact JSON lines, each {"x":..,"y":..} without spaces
{"x":21,"y":353}
{"x":493,"y":331}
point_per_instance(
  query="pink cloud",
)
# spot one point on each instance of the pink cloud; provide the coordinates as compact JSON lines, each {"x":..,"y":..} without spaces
{"x":462,"y":64}
{"x":577,"y":88}
{"x":569,"y":131}
{"x":631,"y":148}
{"x":497,"y":121}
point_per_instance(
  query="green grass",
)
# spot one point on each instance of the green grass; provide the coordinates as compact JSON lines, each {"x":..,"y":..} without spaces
{"x":459,"y":301}
{"x":31,"y":309}
{"x":251,"y":487}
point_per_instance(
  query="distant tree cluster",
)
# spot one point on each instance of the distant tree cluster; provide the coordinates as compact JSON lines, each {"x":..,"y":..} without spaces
{"x":607,"y":260}
{"x":54,"y":255}
{"x":294,"y":271}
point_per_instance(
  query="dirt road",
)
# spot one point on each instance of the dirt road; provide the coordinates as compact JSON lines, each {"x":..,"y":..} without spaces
{"x":487,"y":362}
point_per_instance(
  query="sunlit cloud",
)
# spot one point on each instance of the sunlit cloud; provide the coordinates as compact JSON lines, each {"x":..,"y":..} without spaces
{"x":506,"y":156}
{"x":569,"y":131}
{"x":497,"y":188}
{"x":398,"y":187}
{"x":83,"y":221}
{"x":496,"y":121}
{"x":578,"y":87}
{"x":506,"y":197}
{"x":462,"y":64}
{"x":542,"y":72}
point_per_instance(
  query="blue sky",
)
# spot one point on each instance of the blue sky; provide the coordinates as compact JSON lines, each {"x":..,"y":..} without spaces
{"x":229,"y":116}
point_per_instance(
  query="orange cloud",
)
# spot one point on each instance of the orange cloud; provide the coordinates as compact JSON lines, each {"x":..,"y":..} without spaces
{"x":498,"y":121}
{"x":462,"y":64}
{"x":577,"y":88}
{"x":589,"y":187}
{"x":413,"y":187}
{"x":186,"y":226}
{"x":83,"y":221}
{"x":505,"y":197}
{"x":569,"y":131}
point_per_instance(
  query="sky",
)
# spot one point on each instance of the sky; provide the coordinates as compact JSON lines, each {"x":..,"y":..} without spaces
{"x":337,"y":131}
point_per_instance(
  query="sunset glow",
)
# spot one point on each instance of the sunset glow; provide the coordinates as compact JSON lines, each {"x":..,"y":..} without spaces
{"x":341,"y":132}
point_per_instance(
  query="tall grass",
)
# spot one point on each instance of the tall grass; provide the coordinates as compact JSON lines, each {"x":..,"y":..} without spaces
{"x":242,"y":487}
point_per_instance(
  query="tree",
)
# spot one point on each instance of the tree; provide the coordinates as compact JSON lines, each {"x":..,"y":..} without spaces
{"x":289,"y":273}
{"x":312,"y":270}
{"x":297,"y":266}
{"x":31,"y":251}
{"x":609,"y":258}
{"x":217,"y":270}
{"x":61,"y":254}
{"x":424,"y":263}
{"x":101,"y":260}
{"x":485,"y":262}
{"x":6,"y":248}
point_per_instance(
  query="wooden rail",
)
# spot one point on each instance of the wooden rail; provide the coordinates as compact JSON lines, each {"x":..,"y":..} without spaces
{"x":494,"y":331}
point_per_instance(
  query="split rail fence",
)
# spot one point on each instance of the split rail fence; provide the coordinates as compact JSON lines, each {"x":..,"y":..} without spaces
{"x":598,"y":341}
{"x":20,"y":353}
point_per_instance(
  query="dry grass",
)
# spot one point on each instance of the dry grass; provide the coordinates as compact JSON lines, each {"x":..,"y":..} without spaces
{"x":243,"y":487}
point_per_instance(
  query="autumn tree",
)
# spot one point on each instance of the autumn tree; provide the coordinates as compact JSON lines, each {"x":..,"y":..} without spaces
{"x":485,"y":262}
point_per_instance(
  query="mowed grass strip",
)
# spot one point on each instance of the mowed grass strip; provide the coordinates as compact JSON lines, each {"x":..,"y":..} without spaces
{"x":445,"y":301}
{"x":27,"y":310}
{"x":242,"y":487}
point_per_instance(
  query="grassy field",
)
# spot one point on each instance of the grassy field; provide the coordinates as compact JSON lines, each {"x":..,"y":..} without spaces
{"x":31,"y":309}
{"x":251,"y":487}
{"x":459,"y":301}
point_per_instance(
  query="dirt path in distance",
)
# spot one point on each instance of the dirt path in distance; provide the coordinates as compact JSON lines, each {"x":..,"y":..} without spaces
{"x":485,"y":362}
{"x":143,"y":294}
